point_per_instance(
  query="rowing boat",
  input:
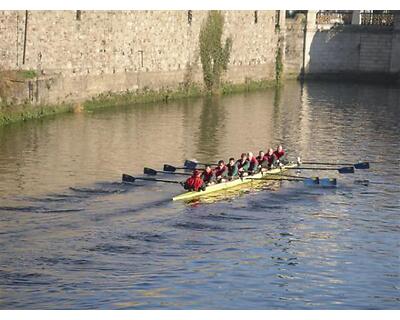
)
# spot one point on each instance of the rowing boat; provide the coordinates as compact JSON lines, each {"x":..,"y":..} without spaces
{"x":234,"y":183}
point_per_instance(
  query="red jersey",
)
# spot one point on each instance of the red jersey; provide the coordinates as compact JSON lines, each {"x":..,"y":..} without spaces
{"x":259,"y":159}
{"x":279,"y":155}
{"x":270,"y":159}
{"x":208,"y":176}
{"x":219,"y":172}
{"x":194,"y":183}
{"x":253,"y":164}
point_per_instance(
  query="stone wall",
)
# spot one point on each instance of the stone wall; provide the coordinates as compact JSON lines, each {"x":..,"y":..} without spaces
{"x":294,"y":47}
{"x":351,"y":49}
{"x":342,"y":51}
{"x":362,"y":52}
{"x":82,"y":54}
{"x":78,"y":55}
{"x":395,"y":58}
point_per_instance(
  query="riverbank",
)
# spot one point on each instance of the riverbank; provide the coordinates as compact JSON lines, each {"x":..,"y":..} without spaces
{"x":15,"y":113}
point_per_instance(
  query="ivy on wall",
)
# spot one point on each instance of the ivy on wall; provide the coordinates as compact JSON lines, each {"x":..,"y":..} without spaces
{"x":213,"y":54}
{"x":278,"y":65}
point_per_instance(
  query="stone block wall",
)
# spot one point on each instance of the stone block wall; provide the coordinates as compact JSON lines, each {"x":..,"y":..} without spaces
{"x":395,"y":57}
{"x":343,"y":51}
{"x":375,"y":51}
{"x":78,"y":55}
{"x":294,"y":48}
{"x":350,"y":49}
{"x":254,"y":45}
{"x":82,"y":54}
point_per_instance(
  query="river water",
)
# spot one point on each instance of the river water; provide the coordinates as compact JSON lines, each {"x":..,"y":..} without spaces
{"x":73,"y":236}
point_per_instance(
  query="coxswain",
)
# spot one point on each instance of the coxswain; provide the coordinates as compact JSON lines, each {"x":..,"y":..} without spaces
{"x":195,"y":182}
{"x":221,"y":171}
{"x":253,"y":163}
{"x":243,"y":165}
{"x":232,"y":167}
{"x":280,"y":155}
{"x":208,"y":175}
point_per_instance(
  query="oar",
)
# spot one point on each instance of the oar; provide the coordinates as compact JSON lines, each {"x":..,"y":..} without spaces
{"x":153,"y":172}
{"x":128,"y":178}
{"x":367,"y":182}
{"x":306,"y":181}
{"x":340,"y":170}
{"x":285,"y":175}
{"x":277,"y":178}
{"x":324,"y":182}
{"x":189,"y":164}
{"x":358,"y":165}
{"x":170,"y":169}
{"x":328,"y":182}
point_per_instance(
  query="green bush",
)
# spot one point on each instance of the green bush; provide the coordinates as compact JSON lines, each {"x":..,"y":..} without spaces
{"x":27,"y":74}
{"x":214,"y":56}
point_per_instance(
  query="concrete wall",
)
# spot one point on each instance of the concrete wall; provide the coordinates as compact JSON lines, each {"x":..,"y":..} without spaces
{"x":352,"y":51}
{"x":126,"y":50}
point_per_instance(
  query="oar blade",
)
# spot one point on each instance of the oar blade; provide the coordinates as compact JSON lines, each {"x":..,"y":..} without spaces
{"x":150,"y":171}
{"x":169,"y":168}
{"x":362,"y":182}
{"x":362,"y":165}
{"x":328,"y":182}
{"x":190,"y":164}
{"x":309,"y":182}
{"x":345,"y":170}
{"x":127,"y":178}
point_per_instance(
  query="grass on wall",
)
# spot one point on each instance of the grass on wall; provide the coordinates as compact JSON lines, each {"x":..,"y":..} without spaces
{"x":10,"y":114}
{"x":13,"y":113}
{"x":142,"y":96}
{"x":248,"y":86}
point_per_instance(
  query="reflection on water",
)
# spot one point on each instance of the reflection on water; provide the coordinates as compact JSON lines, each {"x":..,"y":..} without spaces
{"x":74,"y":236}
{"x":211,"y":129}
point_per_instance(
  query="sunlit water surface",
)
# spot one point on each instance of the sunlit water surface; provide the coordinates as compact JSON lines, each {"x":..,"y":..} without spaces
{"x":72,"y":236}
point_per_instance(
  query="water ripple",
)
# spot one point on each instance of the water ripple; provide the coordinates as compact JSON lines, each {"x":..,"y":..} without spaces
{"x":73,"y":236}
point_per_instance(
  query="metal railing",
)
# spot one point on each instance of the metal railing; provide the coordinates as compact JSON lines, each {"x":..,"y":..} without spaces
{"x":380,"y":19}
{"x":333,"y":17}
{"x":345,"y":17}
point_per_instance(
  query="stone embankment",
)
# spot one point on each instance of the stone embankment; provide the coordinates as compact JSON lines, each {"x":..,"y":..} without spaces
{"x":71,"y":60}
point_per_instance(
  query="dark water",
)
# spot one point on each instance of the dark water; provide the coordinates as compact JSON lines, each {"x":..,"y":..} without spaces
{"x":72,"y":236}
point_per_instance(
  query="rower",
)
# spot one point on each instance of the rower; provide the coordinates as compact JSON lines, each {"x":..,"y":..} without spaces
{"x":243,"y":165}
{"x":280,"y":155}
{"x":232,"y":169}
{"x":195,"y":182}
{"x":269,"y":160}
{"x":260,"y":157}
{"x":208,"y":176}
{"x":253,"y":163}
{"x":221,"y":171}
